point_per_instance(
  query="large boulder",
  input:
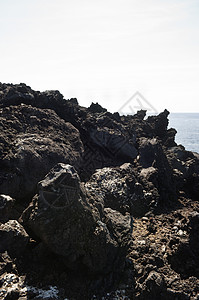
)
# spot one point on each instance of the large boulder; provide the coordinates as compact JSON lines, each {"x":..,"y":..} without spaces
{"x":32,"y":141}
{"x":73,"y":223}
{"x":121,"y":189}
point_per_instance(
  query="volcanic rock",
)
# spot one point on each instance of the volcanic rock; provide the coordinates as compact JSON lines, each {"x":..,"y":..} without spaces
{"x":121,"y":190}
{"x":151,"y":155}
{"x":13,"y":238}
{"x":75,"y":225}
{"x":82,"y":178}
{"x":32,"y":142}
{"x":7,"y":211}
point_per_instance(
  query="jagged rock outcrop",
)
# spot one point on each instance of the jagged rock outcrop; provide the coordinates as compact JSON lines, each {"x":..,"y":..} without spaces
{"x":156,"y":168}
{"x":109,"y":140}
{"x":32,"y":141}
{"x":81,"y":179}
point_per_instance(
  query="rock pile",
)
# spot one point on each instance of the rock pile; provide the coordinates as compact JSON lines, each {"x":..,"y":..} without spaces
{"x":94,"y":204}
{"x":74,"y":223}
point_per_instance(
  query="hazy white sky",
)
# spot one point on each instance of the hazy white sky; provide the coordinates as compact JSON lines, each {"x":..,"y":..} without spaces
{"x":104,"y":50}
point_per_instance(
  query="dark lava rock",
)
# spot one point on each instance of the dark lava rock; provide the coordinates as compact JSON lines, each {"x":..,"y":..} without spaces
{"x":13,"y":238}
{"x":6,"y":208}
{"x":114,"y":144}
{"x":156,"y":168}
{"x":153,"y":286}
{"x":185,"y":165}
{"x":183,"y":260}
{"x":32,"y":141}
{"x":106,"y":174}
{"x":159,"y":123}
{"x":75,"y":225}
{"x":120,"y":190}
{"x":96,"y":108}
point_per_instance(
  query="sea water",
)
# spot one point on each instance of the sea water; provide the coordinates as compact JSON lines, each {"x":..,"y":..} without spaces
{"x":187,"y":126}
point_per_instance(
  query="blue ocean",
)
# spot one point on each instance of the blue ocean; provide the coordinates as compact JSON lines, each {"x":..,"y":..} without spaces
{"x":187,"y":126}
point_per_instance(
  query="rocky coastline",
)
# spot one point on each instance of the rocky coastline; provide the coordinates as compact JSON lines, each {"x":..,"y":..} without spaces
{"x":94,"y":205}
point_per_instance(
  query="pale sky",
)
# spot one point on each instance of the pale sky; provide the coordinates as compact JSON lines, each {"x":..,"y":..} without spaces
{"x":104,"y":50}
